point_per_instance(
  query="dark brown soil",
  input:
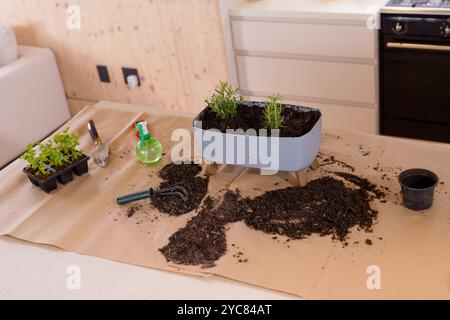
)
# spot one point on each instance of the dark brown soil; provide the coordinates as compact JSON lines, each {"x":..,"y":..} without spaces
{"x":325,"y":207}
{"x":38,"y":174}
{"x":131,"y":211}
{"x":327,"y":161}
{"x":362,"y":183}
{"x":202,"y":241}
{"x":187,"y":176}
{"x":174,"y":173}
{"x":297,"y":121}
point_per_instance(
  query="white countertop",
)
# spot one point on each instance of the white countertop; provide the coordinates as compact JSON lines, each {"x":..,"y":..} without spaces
{"x":31,"y":271}
{"x":307,"y":9}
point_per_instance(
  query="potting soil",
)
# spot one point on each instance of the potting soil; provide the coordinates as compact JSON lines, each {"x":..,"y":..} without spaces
{"x":187,"y":176}
{"x":250,"y":116}
{"x":325,"y":206}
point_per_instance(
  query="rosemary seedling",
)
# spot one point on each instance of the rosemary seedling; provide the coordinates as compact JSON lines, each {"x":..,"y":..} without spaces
{"x":273,"y":113}
{"x":225,"y":100}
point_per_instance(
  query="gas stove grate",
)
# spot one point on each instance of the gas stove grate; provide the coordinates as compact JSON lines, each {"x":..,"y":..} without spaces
{"x":419,"y":3}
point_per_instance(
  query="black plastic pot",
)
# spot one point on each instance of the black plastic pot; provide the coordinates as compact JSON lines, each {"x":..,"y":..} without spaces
{"x":64,"y":176}
{"x":418,"y":188}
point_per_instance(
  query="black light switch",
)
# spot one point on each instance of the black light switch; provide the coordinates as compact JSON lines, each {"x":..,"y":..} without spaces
{"x":103,"y":74}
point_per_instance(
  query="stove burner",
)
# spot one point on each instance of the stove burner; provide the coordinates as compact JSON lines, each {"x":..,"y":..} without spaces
{"x":416,"y":3}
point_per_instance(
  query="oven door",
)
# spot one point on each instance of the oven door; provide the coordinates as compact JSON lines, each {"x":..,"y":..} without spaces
{"x":415,"y":89}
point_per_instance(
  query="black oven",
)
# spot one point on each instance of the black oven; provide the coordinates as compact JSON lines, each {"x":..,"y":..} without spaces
{"x":415,"y":76}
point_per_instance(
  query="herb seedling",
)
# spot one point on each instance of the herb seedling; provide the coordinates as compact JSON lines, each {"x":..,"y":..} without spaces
{"x":67,"y":144}
{"x":273,"y":111}
{"x":225,"y":101}
{"x":52,"y":154}
{"x":34,"y":160}
{"x":43,"y":161}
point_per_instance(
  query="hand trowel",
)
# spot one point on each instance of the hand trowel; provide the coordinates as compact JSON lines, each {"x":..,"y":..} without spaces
{"x":101,"y":152}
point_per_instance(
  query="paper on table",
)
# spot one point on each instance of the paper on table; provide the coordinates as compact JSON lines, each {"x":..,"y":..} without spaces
{"x":413,"y":255}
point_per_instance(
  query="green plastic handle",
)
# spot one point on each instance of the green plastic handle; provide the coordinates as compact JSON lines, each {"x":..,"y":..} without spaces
{"x":135,"y":197}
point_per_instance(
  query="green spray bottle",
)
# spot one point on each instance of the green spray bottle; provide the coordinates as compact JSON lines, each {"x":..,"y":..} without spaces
{"x":148,"y":149}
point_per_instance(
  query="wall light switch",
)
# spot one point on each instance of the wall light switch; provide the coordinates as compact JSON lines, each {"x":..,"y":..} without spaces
{"x":103,"y":74}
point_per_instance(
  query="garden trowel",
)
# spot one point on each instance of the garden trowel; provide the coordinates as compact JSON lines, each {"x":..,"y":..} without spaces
{"x":101,"y":152}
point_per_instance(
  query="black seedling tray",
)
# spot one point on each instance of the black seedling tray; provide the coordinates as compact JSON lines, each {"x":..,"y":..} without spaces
{"x":64,"y":176}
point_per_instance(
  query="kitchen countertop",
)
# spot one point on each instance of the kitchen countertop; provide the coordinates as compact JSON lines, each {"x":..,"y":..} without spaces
{"x":307,"y":9}
{"x":32,"y":271}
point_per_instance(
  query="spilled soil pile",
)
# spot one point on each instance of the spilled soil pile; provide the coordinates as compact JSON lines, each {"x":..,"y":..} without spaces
{"x":363,"y":184}
{"x":202,"y":241}
{"x":187,"y":176}
{"x":325,"y":206}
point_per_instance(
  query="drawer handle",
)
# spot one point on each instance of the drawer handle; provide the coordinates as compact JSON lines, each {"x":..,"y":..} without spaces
{"x":418,"y":46}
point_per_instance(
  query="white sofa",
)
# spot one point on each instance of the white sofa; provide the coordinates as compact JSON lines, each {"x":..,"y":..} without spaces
{"x":32,"y":101}
{"x":8,"y":45}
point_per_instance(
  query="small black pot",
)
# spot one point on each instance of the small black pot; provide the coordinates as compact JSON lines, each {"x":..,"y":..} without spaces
{"x":418,"y":188}
{"x":64,"y":176}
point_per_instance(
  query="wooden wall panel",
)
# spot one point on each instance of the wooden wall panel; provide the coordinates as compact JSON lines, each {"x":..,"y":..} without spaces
{"x":76,"y":105}
{"x":177,"y":45}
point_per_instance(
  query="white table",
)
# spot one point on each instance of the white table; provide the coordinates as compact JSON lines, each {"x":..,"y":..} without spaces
{"x":30,"y":271}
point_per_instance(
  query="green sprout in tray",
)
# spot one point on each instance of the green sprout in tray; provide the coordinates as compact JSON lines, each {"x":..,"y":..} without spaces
{"x":56,"y":153}
{"x":67,"y":144}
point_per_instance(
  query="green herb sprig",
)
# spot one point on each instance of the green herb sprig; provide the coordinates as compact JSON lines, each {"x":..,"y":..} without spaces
{"x":225,"y":100}
{"x":273,"y":113}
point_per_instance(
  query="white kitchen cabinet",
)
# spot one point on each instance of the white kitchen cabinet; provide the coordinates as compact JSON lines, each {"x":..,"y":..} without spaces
{"x":308,"y":78}
{"x":326,"y":60}
{"x":304,"y":38}
{"x":338,"y":116}
{"x":355,"y":118}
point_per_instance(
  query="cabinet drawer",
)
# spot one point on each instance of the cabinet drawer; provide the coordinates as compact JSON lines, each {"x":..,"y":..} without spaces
{"x":305,"y":39}
{"x":352,"y":118}
{"x":307,"y":78}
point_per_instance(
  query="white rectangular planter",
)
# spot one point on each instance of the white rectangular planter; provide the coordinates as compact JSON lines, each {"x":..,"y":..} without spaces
{"x":286,"y":154}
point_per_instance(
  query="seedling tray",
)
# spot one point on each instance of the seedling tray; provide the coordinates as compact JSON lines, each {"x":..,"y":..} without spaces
{"x":62,"y":176}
